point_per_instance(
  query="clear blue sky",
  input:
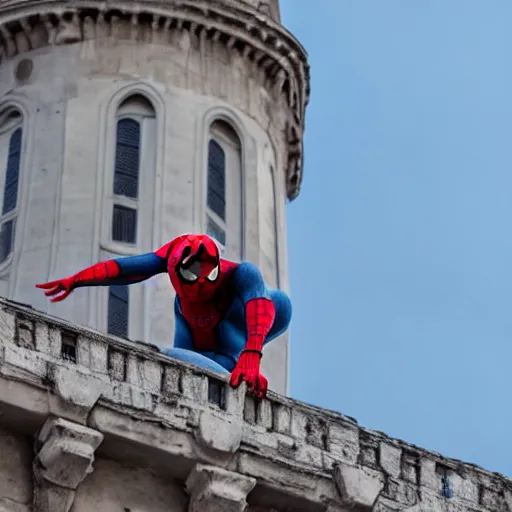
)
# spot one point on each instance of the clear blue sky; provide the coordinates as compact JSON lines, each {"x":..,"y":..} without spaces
{"x":402,"y":314}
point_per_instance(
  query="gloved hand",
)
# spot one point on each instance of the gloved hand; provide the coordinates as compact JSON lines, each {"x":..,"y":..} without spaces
{"x":59,"y":289}
{"x":248,"y":369}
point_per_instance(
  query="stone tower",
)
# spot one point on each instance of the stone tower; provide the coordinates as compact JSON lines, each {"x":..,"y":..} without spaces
{"x":124,"y":124}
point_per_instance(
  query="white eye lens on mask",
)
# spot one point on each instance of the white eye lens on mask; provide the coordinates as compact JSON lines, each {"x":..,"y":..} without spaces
{"x":213,"y":274}
{"x":187,"y":275}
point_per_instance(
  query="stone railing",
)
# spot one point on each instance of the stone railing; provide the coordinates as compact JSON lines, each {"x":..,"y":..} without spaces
{"x":78,"y":392}
{"x":277,"y":56}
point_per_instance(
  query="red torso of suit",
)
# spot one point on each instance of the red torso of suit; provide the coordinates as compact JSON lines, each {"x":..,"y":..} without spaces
{"x":204,"y":315}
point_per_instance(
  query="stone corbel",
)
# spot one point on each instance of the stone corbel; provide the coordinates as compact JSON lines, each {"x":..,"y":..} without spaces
{"x":214,"y":489}
{"x":64,"y":457}
{"x":358,"y":488}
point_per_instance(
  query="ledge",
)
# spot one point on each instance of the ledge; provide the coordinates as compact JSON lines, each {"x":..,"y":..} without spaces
{"x":28,"y":25}
{"x":154,"y":411}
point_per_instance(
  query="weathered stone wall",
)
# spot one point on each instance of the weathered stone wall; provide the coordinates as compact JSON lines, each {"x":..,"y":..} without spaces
{"x":120,"y":487}
{"x":196,"y":442}
{"x":15,"y":472}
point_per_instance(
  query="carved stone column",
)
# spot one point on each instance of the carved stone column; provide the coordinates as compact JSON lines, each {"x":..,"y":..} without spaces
{"x":214,"y":489}
{"x":64,"y":457}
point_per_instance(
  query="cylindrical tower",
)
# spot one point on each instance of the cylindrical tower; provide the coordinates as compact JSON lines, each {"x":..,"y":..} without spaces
{"x":124,"y":124}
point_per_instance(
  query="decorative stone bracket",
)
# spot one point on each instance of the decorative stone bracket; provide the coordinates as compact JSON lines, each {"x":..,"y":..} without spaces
{"x":357,"y":487}
{"x":214,"y":489}
{"x":64,"y":457}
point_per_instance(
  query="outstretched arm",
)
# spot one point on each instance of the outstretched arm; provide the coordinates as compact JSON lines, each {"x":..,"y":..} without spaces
{"x":259,"y":316}
{"x":119,"y":271}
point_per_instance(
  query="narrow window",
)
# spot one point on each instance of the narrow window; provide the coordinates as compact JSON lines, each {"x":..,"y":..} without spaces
{"x":118,"y":306}
{"x":129,"y":203}
{"x":12,"y":173}
{"x":11,"y":139}
{"x":133,"y":118}
{"x":6,"y":239}
{"x":126,"y":171}
{"x":217,"y":179}
{"x":224,"y":189}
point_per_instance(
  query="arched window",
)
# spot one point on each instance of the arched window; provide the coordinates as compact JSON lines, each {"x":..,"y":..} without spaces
{"x":132,"y":150}
{"x":224,"y":189}
{"x":11,"y":139}
{"x":134,"y":153}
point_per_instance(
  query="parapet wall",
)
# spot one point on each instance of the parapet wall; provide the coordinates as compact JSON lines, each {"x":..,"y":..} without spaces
{"x":69,"y":395}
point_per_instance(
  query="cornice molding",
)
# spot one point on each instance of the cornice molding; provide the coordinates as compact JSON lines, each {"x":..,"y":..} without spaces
{"x":28,"y":25}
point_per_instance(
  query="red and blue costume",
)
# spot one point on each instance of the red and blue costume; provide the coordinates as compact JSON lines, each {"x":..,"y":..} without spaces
{"x":224,"y":312}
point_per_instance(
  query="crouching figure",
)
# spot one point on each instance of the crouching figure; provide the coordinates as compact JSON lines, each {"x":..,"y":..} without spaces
{"x":224,"y":312}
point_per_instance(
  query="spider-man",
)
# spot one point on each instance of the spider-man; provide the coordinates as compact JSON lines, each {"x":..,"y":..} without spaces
{"x":224,"y":312}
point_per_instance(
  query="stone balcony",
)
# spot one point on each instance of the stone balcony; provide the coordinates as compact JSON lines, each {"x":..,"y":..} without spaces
{"x":90,"y":422}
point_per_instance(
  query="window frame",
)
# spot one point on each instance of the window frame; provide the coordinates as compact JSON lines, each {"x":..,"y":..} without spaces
{"x":10,"y":127}
{"x":229,"y":147}
{"x":146,"y":116}
{"x":146,"y":184}
{"x":125,"y":201}
{"x":211,"y":215}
